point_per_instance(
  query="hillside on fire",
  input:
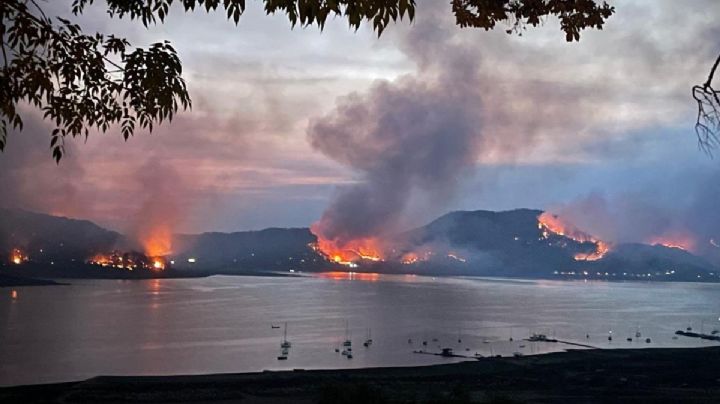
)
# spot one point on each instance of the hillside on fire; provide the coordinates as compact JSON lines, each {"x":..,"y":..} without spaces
{"x":516,"y":243}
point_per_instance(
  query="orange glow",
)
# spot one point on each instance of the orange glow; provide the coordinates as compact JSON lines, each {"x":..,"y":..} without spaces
{"x":158,"y":263}
{"x":17,"y":257}
{"x":351,"y":276}
{"x":158,"y":242}
{"x":100,"y":259}
{"x":413,"y":257}
{"x":601,"y":248}
{"x":409,"y":258}
{"x":14,"y":294}
{"x":129,"y":261}
{"x":552,"y":224}
{"x":155,"y":286}
{"x":676,"y":240}
{"x":349,"y":253}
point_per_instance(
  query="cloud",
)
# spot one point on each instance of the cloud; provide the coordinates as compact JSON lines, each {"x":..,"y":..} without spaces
{"x":534,"y":101}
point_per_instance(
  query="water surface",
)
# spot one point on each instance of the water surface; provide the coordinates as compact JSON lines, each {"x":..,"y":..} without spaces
{"x":223,"y":324}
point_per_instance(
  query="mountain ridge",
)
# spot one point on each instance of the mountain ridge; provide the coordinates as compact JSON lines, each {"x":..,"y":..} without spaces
{"x":467,"y":242}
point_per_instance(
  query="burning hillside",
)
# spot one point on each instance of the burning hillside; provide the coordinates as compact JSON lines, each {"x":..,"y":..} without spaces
{"x":495,"y":236}
{"x":349,"y":253}
{"x":550,"y":224}
{"x":517,"y":243}
{"x":682,"y":241}
{"x":156,"y":244}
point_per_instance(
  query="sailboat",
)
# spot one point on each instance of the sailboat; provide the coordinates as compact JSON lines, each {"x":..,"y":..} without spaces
{"x":368,"y":340}
{"x":347,"y":344}
{"x":285,"y":343}
{"x":283,"y":354}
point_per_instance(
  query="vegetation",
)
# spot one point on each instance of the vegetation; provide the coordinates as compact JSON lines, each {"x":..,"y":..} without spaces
{"x":82,"y":81}
{"x":707,"y":125}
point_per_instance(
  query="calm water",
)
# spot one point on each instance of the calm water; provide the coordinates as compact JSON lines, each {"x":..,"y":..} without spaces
{"x":223,"y":324}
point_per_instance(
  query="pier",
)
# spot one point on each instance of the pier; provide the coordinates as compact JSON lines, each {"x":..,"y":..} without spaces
{"x":447,"y":353}
{"x":709,"y":337}
{"x":558,"y":341}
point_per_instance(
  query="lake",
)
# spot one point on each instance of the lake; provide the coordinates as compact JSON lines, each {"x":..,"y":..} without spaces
{"x":224,"y":324}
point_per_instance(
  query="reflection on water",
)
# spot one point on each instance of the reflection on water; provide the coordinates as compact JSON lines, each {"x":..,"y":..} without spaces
{"x":224,"y":324}
{"x":350,"y":276}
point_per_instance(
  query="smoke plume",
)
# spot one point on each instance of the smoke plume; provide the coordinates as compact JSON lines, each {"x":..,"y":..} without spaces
{"x":160,"y":212}
{"x":414,"y":137}
{"x":682,"y":212}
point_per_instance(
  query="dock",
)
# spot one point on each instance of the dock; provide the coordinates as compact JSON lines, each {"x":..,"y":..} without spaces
{"x":543,"y":338}
{"x":558,"y":341}
{"x":709,"y":337}
{"x":447,"y":354}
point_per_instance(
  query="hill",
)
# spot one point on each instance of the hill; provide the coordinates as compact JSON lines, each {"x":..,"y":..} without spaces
{"x":512,"y":243}
{"x":52,"y":238}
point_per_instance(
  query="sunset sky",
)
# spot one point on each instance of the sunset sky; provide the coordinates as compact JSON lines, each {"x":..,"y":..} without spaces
{"x":606,"y":121}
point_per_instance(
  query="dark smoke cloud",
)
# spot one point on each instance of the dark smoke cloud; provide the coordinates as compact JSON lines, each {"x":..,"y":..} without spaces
{"x":492,"y":98}
{"x":415,"y":137}
{"x":402,"y":136}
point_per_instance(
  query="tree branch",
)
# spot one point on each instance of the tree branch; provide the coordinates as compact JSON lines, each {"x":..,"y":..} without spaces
{"x":712,"y":72}
{"x":4,"y":53}
{"x":52,"y":31}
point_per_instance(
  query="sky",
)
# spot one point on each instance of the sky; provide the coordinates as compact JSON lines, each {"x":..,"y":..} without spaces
{"x":291,"y":126}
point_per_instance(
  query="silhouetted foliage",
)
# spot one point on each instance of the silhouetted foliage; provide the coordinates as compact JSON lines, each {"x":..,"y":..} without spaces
{"x":82,"y":81}
{"x":574,"y":15}
{"x":707,"y":125}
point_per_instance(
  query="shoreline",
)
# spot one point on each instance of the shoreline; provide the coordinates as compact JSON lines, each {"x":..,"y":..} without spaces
{"x":44,"y":279}
{"x":598,"y":375}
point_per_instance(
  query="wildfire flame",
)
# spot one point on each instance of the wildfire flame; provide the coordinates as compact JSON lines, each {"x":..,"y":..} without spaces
{"x":601,"y":248}
{"x":681,"y":241}
{"x":409,"y":258}
{"x":100,"y":259}
{"x":351,"y":252}
{"x":128,"y":261}
{"x":552,"y":224}
{"x":157,"y":242}
{"x":17,"y":257}
{"x":158,"y":263}
{"x":413,"y":257}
